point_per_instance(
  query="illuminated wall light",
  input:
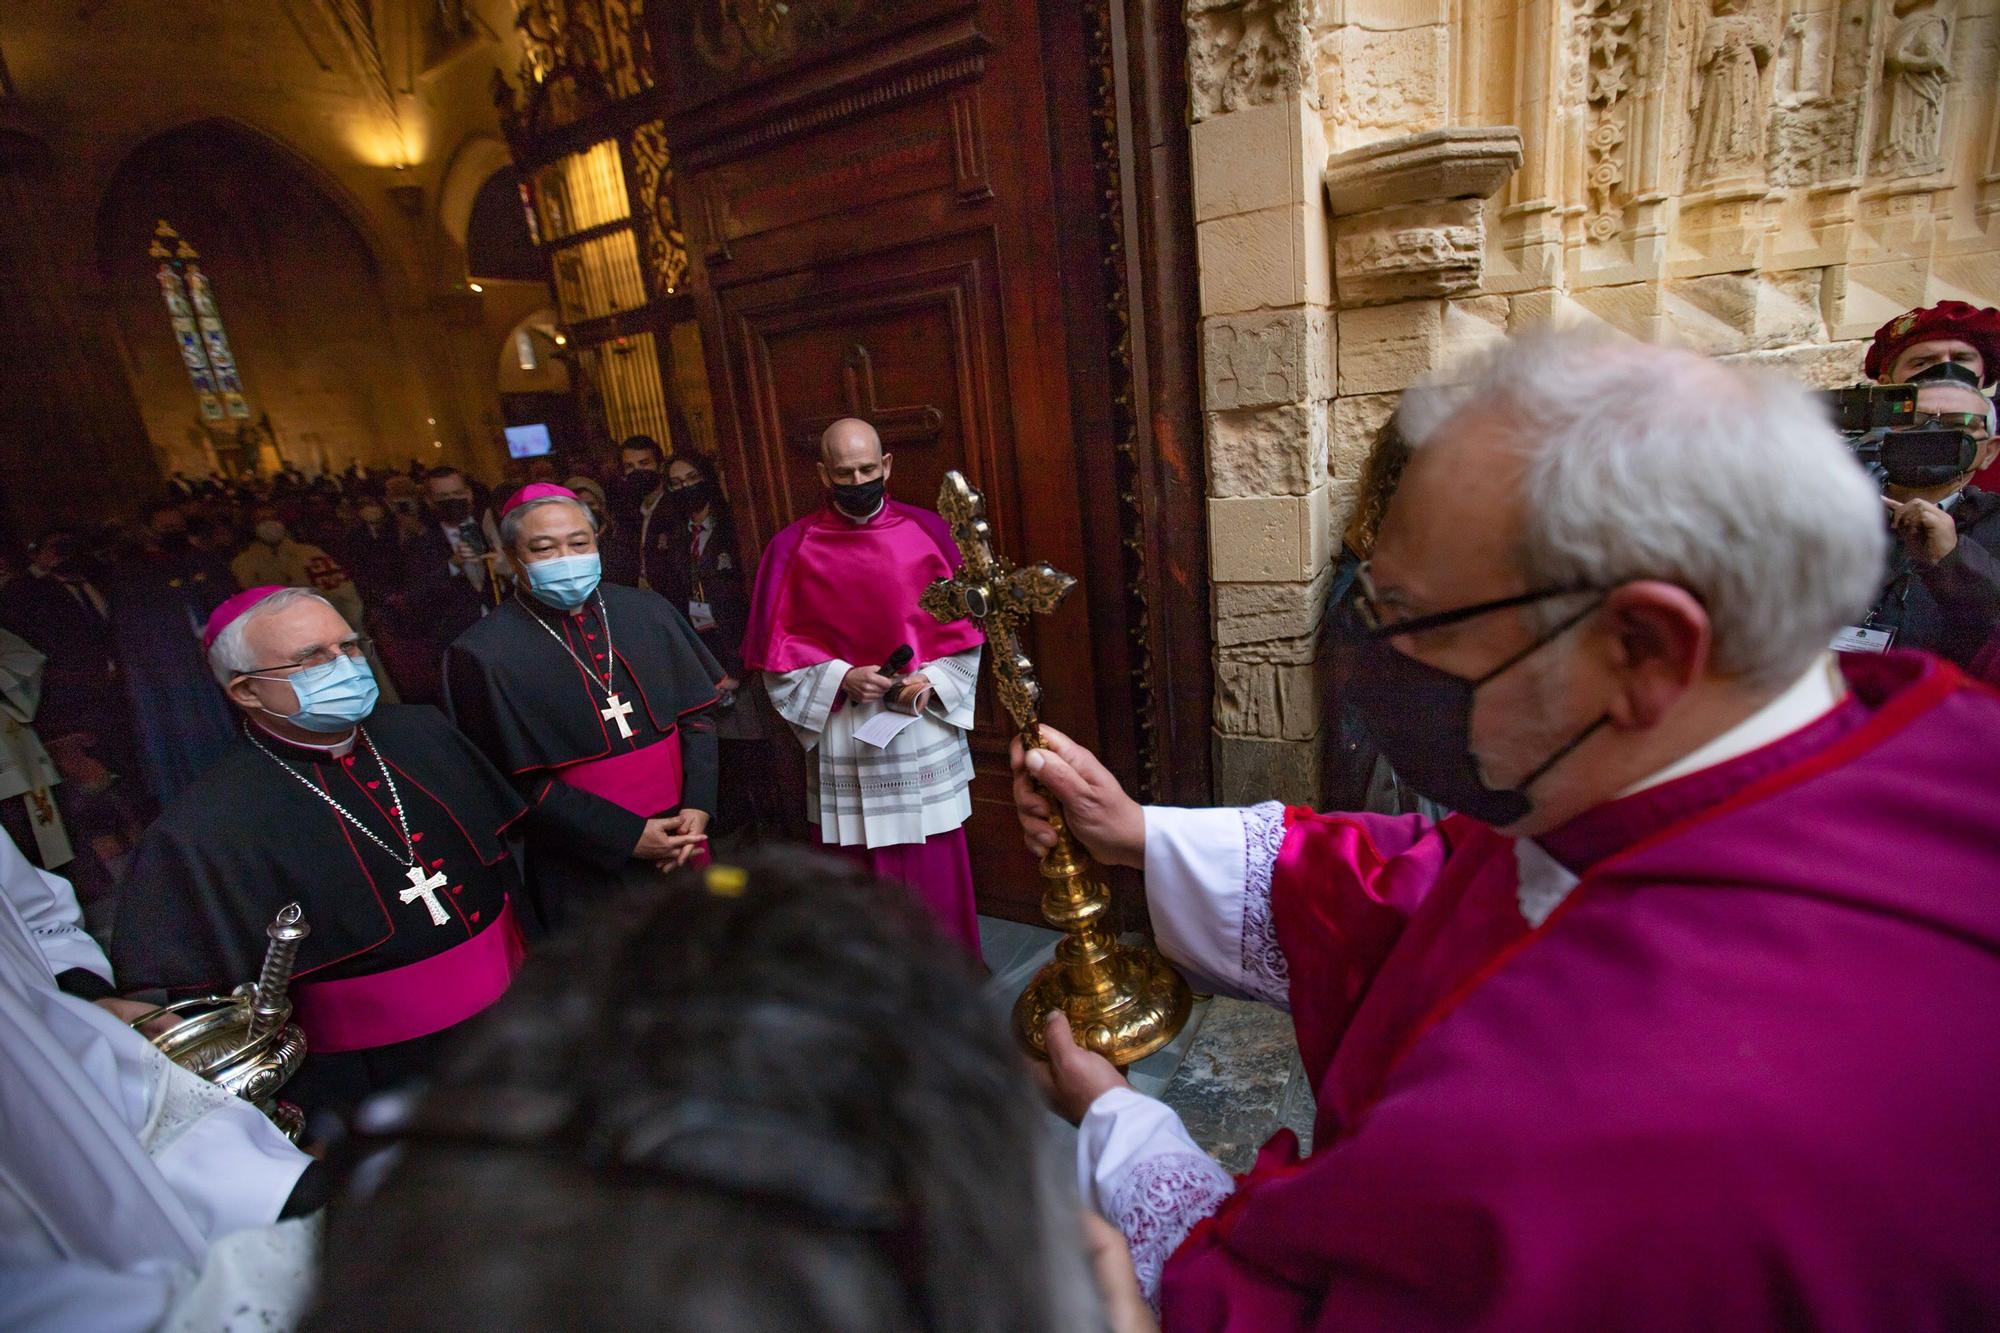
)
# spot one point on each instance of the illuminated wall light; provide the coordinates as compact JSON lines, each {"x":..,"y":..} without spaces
{"x":476,"y":287}
{"x":430,"y":421}
{"x":437,"y":444}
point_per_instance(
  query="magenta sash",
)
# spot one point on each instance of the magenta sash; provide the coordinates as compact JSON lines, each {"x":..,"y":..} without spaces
{"x":359,"y":1013}
{"x":647,"y":782}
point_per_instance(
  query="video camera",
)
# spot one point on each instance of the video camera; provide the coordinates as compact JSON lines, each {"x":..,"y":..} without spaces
{"x":1879,"y":422}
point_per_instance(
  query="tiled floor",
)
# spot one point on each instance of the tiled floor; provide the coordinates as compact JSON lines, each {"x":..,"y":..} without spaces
{"x":1233,"y":1073}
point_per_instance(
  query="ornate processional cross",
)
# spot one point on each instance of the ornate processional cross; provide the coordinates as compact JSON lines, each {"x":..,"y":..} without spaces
{"x":1122,"y":1000}
{"x":617,"y":710}
{"x":420,"y":887}
{"x":998,"y":597}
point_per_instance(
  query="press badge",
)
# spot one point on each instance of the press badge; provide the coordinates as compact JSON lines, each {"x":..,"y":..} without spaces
{"x":702,"y":618}
{"x":1863,"y":639}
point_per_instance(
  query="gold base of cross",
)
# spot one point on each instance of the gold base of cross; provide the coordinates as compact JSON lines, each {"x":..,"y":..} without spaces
{"x":1123,"y":1001}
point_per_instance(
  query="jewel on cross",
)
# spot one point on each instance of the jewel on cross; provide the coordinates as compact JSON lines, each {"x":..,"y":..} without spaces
{"x":426,"y":889}
{"x":998,"y":597}
{"x":617,"y":710}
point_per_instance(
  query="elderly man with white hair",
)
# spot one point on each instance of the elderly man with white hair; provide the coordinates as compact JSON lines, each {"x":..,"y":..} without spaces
{"x":1689,"y":1017}
{"x":594,"y":699}
{"x":384,"y":823}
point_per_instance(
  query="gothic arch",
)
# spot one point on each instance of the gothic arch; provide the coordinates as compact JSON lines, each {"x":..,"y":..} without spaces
{"x":472,"y":164}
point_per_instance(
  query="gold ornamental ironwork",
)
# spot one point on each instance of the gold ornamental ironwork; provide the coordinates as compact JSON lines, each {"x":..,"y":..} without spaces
{"x":1123,"y":1000}
{"x":245,"y":1042}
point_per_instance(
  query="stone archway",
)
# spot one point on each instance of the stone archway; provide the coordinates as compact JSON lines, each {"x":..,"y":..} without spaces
{"x":299,"y":285}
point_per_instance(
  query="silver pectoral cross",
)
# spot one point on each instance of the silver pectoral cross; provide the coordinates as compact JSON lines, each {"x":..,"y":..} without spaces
{"x":617,"y":710}
{"x":420,"y":887}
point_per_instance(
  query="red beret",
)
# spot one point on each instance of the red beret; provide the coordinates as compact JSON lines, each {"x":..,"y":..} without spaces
{"x":536,"y":490}
{"x":1977,"y":325}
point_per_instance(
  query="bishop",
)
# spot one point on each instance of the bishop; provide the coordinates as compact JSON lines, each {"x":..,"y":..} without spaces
{"x":384,"y":823}
{"x":595,"y":699}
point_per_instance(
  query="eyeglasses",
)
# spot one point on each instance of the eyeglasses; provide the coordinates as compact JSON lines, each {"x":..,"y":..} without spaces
{"x":1366,"y":610}
{"x":1966,"y":421}
{"x":357,"y":647}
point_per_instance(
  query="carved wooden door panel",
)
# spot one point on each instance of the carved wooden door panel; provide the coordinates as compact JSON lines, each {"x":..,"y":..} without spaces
{"x":875,"y":235}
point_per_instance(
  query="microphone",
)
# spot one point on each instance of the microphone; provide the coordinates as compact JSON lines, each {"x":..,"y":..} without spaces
{"x":899,"y":661}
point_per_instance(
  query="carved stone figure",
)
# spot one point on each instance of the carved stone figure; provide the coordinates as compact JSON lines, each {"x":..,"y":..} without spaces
{"x":1728,"y":109}
{"x":1243,"y":53}
{"x":1914,"y":80}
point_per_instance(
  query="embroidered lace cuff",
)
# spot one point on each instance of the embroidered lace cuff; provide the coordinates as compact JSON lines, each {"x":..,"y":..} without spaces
{"x":1266,"y":976}
{"x":1159,"y":1202}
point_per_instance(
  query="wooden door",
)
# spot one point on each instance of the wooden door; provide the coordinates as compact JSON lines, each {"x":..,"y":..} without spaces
{"x":885,"y":223}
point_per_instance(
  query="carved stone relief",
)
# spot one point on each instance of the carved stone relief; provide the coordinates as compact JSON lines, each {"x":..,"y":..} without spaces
{"x":1728,"y":145}
{"x":1821,"y":75}
{"x":1607,"y":40}
{"x":1372,"y":85}
{"x":1243,"y":53}
{"x":1915,"y":78}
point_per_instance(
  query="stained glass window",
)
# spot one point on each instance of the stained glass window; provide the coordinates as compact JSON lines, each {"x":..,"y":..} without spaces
{"x":197,"y":326}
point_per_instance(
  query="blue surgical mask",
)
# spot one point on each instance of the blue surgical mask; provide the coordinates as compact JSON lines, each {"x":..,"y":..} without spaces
{"x":333,"y":696}
{"x":566,"y":581}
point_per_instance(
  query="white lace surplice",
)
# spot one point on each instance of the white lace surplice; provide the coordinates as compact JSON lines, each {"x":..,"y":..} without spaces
{"x":862,"y":796}
{"x":1208,"y":881}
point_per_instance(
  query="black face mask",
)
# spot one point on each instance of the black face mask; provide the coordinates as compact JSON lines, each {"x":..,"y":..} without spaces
{"x":861,"y":499}
{"x":691,"y":498}
{"x":1421,"y":717}
{"x":628,"y":491}
{"x":453,"y":511}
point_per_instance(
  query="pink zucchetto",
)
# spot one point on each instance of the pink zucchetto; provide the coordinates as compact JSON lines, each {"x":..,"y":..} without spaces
{"x":233,"y":610}
{"x":536,"y":490}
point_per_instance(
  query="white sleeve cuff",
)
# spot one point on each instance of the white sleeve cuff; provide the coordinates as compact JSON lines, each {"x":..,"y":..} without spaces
{"x":1137,"y":1166}
{"x":954,"y":686}
{"x":1208,"y":887}
{"x":805,"y":697}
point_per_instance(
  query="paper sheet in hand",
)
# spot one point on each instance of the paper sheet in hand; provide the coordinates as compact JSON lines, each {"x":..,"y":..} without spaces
{"x":885,"y":726}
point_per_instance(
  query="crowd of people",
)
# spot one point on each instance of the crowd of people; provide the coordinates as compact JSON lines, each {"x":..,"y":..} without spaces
{"x":1645,"y":1023}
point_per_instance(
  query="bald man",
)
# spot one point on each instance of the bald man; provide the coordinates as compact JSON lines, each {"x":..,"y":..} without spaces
{"x":873,"y":687}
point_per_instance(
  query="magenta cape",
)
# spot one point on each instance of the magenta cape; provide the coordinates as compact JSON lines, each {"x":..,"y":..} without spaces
{"x":830,"y":588}
{"x":1745,"y":1077}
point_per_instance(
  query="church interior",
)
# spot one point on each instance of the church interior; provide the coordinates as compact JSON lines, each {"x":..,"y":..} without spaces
{"x":1146,"y":280}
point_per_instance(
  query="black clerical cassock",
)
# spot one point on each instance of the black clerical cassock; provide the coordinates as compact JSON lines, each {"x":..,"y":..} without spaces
{"x":600,"y":726}
{"x":408,"y":939}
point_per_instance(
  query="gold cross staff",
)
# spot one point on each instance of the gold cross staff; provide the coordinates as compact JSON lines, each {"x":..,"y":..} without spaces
{"x":1123,"y":1001}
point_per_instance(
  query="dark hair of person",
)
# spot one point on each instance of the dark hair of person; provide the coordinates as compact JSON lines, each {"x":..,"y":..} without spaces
{"x":766,"y":1095}
{"x":643,"y":443}
{"x":442,"y":471}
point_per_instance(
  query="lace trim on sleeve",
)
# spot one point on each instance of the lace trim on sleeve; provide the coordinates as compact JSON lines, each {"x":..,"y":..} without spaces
{"x":1159,"y":1203}
{"x":1266,"y":975}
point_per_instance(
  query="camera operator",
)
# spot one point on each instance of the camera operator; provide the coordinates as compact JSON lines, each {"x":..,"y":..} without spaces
{"x":1950,"y":331}
{"x":1943,"y":592}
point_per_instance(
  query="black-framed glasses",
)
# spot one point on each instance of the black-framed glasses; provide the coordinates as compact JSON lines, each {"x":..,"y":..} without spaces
{"x":1966,"y":421}
{"x":1361,"y":604}
{"x":357,"y":647}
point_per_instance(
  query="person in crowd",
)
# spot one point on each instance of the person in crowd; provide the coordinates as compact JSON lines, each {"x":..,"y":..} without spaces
{"x":1943,"y":591}
{"x":161,"y":596}
{"x":835,"y":605}
{"x":28,"y":776}
{"x":1948,"y":332}
{"x":657,"y":1096}
{"x":1658,"y":1030}
{"x":636,"y":551}
{"x":708,"y":584}
{"x":273,"y":557}
{"x":133,"y":1196}
{"x":447,"y":585}
{"x":58,"y":607}
{"x":595,"y":700}
{"x":372,"y":551}
{"x":591,"y":493}
{"x":384,"y":823}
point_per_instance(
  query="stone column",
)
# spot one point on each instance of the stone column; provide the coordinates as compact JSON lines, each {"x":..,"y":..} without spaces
{"x":1267,"y":378}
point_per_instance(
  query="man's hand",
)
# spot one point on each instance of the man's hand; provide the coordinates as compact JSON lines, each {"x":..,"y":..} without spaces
{"x":1926,"y":531}
{"x":865,"y":685}
{"x":691,"y":829}
{"x":1110,"y":824}
{"x":463,"y":555}
{"x":907,"y":691}
{"x":664,"y":839}
{"x":1074,"y":1076}
{"x":1117,"y":1282}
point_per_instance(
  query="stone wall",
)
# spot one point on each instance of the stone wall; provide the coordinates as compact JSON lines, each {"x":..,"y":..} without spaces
{"x":1382,"y":184}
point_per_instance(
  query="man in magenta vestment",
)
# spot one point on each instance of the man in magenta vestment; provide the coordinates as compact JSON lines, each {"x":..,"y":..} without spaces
{"x":1689,"y":1018}
{"x":848,"y":658}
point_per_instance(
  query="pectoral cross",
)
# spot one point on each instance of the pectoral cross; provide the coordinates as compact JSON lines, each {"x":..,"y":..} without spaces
{"x":617,"y":710}
{"x":998,"y":597}
{"x":420,"y":887}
